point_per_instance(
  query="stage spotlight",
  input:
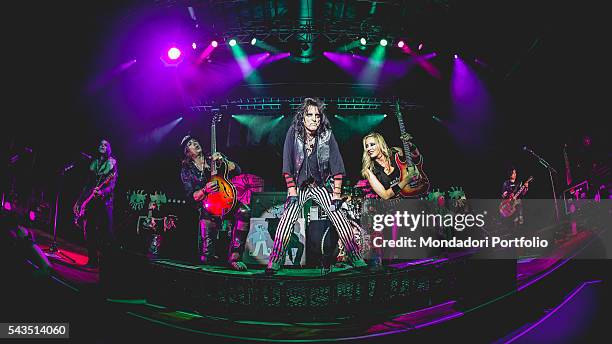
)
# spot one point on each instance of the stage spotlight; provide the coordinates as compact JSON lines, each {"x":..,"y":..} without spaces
{"x":383,"y":42}
{"x":400,"y":44}
{"x":363,"y":41}
{"x":174,"y":53}
{"x":253,"y":41}
{"x":32,"y":215}
{"x":214,"y":44}
{"x":420,"y":46}
{"x":232,"y":42}
{"x":456,"y":56}
{"x":194,"y":46}
{"x":7,"y":206}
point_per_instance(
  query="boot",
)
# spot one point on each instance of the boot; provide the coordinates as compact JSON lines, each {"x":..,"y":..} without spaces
{"x":273,"y":268}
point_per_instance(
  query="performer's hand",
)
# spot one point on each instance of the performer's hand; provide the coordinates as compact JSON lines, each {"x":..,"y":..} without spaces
{"x":212,"y":187}
{"x":505,"y":194}
{"x":217,"y":156}
{"x":527,"y":185}
{"x":290,"y":200}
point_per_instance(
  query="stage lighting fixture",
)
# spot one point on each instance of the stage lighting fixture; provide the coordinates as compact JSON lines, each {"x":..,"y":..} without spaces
{"x":363,"y":41}
{"x":400,"y":44}
{"x":174,"y":53}
{"x":253,"y":41}
{"x":383,"y":42}
{"x":420,"y":46}
{"x":194,"y":46}
{"x":456,"y":56}
{"x":214,"y":44}
{"x":232,"y":42}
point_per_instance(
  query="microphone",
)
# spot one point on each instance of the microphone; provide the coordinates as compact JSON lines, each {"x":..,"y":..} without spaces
{"x":527,"y":149}
{"x":85,"y":155}
{"x":68,"y":168}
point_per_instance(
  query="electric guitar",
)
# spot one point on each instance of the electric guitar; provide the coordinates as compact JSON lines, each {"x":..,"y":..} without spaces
{"x":79,"y":212}
{"x":221,"y":202}
{"x":420,"y":184}
{"x":507,"y":207}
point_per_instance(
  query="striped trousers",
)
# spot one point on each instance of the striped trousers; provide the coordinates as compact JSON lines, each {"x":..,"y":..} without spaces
{"x":285,"y":227}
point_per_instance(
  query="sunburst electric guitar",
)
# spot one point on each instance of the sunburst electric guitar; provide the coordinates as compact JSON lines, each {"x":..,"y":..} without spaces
{"x":221,"y":202}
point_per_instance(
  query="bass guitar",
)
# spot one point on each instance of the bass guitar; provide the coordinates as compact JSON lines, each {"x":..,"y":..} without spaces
{"x":507,"y":207}
{"x":80,"y":211}
{"x":222,"y":201}
{"x":419,"y":184}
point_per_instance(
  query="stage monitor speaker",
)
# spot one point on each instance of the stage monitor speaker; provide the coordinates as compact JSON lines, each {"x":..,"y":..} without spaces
{"x":321,"y":244}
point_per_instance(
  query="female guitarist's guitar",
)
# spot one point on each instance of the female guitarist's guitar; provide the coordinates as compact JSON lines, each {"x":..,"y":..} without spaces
{"x":79,"y":213}
{"x":420,"y":184}
{"x":221,"y":202}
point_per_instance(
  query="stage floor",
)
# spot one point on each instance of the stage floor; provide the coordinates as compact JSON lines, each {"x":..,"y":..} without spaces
{"x":542,"y":283}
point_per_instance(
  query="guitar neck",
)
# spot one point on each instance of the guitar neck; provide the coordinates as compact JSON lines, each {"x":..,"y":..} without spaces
{"x":213,"y":148}
{"x":400,"y":121}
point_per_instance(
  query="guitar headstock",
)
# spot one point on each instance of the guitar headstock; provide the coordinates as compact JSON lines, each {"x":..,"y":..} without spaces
{"x":216,"y":118}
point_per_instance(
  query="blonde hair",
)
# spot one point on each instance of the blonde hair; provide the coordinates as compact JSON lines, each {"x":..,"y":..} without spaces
{"x":367,"y":164}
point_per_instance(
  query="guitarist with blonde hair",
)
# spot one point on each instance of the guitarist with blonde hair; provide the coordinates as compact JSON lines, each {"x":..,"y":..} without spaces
{"x":95,"y":205}
{"x":381,"y":169}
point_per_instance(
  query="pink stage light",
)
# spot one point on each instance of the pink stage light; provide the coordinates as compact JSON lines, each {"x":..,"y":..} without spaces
{"x":420,"y":46}
{"x":400,"y":44}
{"x":214,"y":44}
{"x":7,"y":206}
{"x":456,"y":56}
{"x":194,"y":46}
{"x":32,"y":215}
{"x":174,"y":53}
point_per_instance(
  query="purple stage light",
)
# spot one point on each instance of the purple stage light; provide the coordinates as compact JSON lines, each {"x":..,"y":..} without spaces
{"x":32,"y":215}
{"x":214,"y":44}
{"x":456,"y":56}
{"x":174,"y":53}
{"x":400,"y":44}
{"x":7,"y":206}
{"x":194,"y":46}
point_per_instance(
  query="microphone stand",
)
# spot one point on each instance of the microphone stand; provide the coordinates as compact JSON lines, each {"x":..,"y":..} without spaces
{"x":54,"y":251}
{"x":550,"y":172}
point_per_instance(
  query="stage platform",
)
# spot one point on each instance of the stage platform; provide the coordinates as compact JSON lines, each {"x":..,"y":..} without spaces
{"x":310,"y":304}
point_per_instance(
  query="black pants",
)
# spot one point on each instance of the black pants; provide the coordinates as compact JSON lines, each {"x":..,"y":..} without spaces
{"x":98,"y":227}
{"x":209,"y":229}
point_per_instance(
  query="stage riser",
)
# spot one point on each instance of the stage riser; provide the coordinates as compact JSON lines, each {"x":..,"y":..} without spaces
{"x":325,"y":298}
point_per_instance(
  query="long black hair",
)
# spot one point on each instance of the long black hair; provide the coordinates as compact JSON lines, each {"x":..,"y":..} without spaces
{"x":298,"y":119}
